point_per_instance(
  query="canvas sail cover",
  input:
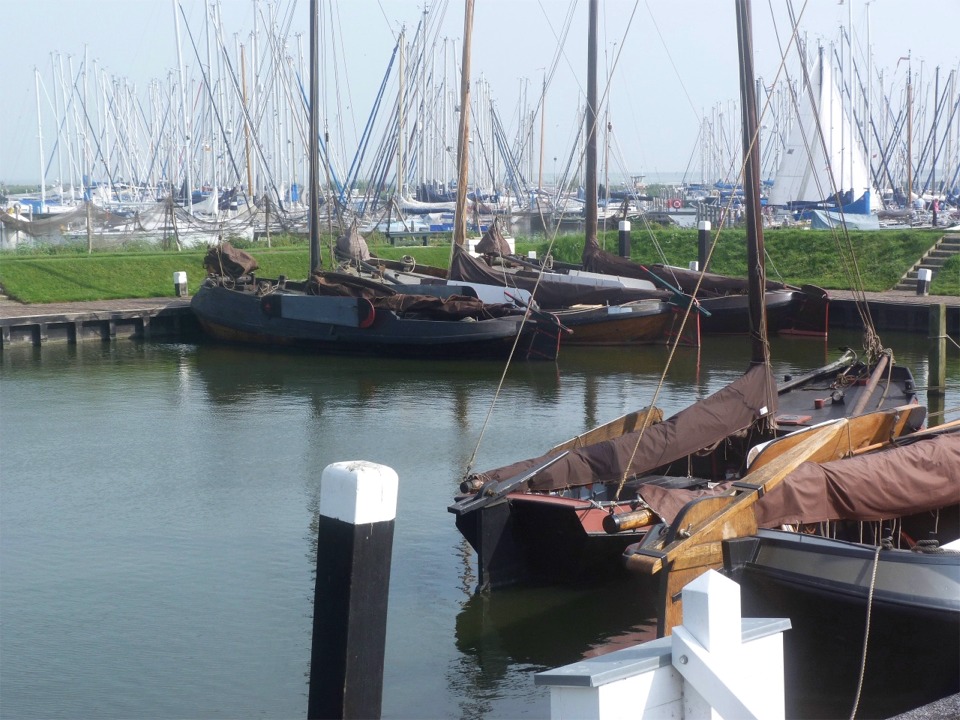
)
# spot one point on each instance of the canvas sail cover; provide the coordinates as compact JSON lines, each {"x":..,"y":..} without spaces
{"x":548,"y":294}
{"x":705,"y":423}
{"x":454,"y":307}
{"x":227,"y":261}
{"x":351,"y":246}
{"x":826,"y":219}
{"x":918,"y":477}
{"x":493,"y":242}
{"x":814,"y":170}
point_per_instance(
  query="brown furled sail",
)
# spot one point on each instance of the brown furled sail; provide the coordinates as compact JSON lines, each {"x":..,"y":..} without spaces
{"x":227,"y":261}
{"x":919,"y":476}
{"x":493,"y":242}
{"x":729,"y":410}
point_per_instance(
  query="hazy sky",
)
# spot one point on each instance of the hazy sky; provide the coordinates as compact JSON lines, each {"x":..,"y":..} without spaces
{"x":677,"y":58}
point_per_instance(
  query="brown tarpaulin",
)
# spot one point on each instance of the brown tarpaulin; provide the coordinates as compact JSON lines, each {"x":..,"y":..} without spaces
{"x":493,"y":242}
{"x":703,"y":424}
{"x":351,"y":246}
{"x":920,"y":476}
{"x":226,"y":260}
{"x":454,"y":307}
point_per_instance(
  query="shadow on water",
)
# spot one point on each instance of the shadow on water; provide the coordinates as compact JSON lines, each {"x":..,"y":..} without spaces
{"x":549,"y":626}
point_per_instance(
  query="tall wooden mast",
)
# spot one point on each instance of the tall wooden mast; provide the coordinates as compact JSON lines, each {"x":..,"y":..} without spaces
{"x":590,"y":181}
{"x":315,"y":257}
{"x":463,"y":139}
{"x":751,"y":189}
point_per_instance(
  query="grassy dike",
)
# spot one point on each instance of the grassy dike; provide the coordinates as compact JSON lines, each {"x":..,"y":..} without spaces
{"x":68,"y":273}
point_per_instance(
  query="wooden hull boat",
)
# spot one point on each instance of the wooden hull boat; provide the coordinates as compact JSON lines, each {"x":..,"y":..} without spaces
{"x":239,"y":312}
{"x":568,"y":497}
{"x":642,"y":322}
{"x":825,"y":586}
{"x":790,"y":310}
{"x":853,"y":550}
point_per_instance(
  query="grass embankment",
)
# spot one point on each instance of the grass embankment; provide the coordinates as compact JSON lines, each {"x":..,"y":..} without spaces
{"x":68,"y":273}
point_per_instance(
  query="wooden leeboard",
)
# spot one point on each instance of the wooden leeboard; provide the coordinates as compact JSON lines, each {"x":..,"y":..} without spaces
{"x":622,"y":425}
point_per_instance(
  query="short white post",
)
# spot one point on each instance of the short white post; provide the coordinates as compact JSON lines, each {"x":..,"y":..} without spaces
{"x":180,"y":283}
{"x":924,"y":276}
{"x":623,"y":238}
{"x":694,"y":265}
{"x":710,"y":655}
{"x":716,"y":665}
{"x":531,"y":254}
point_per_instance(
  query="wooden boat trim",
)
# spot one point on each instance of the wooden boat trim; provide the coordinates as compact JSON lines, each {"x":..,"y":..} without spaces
{"x":693,"y":543}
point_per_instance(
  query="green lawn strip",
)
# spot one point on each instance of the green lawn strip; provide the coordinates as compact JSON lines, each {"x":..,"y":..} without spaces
{"x":795,"y":256}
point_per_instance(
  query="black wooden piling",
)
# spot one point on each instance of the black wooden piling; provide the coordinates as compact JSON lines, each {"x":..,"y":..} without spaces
{"x":703,"y":244}
{"x":624,"y":238}
{"x":354,"y":544}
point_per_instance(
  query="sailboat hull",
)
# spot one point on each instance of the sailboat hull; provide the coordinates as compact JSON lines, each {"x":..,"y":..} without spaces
{"x":823,"y":586}
{"x":789,"y":312}
{"x":645,"y":322}
{"x":351,"y":326}
{"x":550,"y":539}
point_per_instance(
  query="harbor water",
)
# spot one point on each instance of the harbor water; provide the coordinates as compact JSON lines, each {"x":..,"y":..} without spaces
{"x":158,"y":507}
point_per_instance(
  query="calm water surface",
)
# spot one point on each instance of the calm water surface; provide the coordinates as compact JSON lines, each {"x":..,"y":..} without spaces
{"x":158,"y":506}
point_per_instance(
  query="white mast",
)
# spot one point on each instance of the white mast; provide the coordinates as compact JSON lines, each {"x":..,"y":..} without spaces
{"x":401,"y":99}
{"x":43,"y":183}
{"x":184,"y":118}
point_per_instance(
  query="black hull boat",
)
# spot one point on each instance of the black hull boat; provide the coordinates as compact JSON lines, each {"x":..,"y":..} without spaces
{"x":565,"y":504}
{"x":240,"y":311}
{"x":825,"y":586}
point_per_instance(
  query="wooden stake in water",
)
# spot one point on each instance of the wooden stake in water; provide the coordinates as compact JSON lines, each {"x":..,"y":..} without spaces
{"x":358,"y":506}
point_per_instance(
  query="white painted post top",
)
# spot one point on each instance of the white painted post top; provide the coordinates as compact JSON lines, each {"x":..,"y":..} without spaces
{"x":924,"y":274}
{"x":359,"y":492}
{"x":624,"y":226}
{"x":695,"y":265}
{"x":703,"y":225}
{"x":179,"y":277}
{"x":711,"y":611}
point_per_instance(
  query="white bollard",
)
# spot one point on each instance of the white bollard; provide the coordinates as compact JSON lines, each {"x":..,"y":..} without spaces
{"x":531,"y":254}
{"x":694,"y":265}
{"x":180,"y":283}
{"x":924,"y":276}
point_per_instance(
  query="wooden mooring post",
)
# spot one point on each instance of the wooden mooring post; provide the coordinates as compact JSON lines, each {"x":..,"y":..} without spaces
{"x":358,"y":506}
{"x":937,"y":363}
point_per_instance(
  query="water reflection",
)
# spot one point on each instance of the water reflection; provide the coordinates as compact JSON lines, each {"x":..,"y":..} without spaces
{"x":170,"y":492}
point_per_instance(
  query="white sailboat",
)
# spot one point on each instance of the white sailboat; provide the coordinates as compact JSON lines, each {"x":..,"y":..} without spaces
{"x":819,"y":173}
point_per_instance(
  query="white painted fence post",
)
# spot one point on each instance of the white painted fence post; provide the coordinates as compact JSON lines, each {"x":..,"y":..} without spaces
{"x":723,"y":677}
{"x":717,"y":665}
